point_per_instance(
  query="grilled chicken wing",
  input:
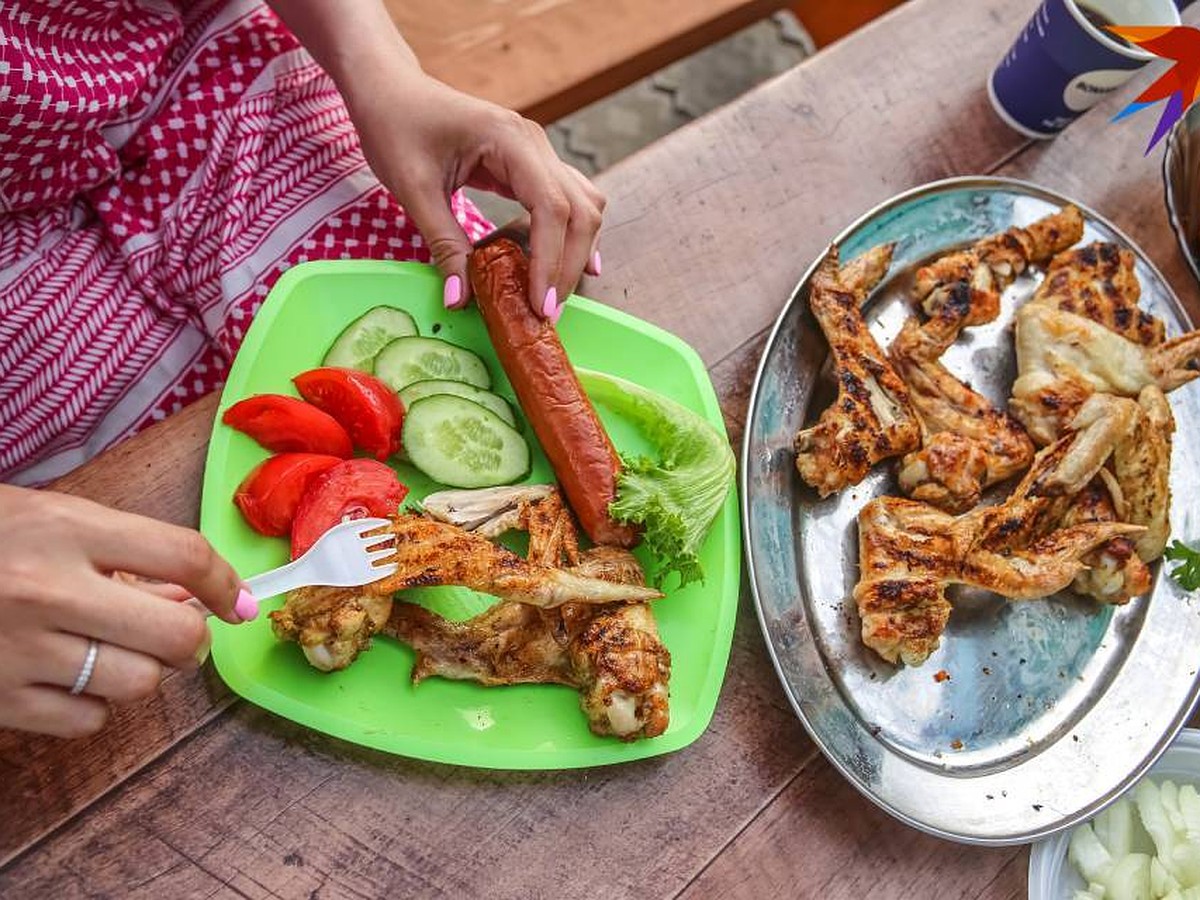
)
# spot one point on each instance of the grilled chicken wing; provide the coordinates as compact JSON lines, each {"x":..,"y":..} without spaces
{"x":334,"y":625}
{"x":622,"y":669}
{"x":1083,"y":333}
{"x":432,"y":553}
{"x":967,"y":444}
{"x":509,"y":643}
{"x":1063,"y":358}
{"x":975,"y":277}
{"x":910,"y":552}
{"x":612,"y":654}
{"x":331,"y":625}
{"x":1139,"y":466}
{"x":1142,"y":469}
{"x":1099,"y":282}
{"x":1115,"y":573}
{"x":872,"y":418}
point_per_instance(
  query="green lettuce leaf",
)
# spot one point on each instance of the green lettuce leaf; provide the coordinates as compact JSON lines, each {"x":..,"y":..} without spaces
{"x":677,"y":497}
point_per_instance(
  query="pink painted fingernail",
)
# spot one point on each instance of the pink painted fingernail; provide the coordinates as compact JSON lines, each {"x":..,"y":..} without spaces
{"x":452,"y":292}
{"x":557,"y":314}
{"x":246,"y":607}
{"x":550,"y":304}
{"x":596,"y":263}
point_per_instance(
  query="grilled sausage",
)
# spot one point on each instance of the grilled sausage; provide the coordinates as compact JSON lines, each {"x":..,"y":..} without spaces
{"x":561,"y":414}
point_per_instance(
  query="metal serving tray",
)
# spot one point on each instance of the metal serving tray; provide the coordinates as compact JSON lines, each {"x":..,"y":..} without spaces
{"x":1052,"y":707}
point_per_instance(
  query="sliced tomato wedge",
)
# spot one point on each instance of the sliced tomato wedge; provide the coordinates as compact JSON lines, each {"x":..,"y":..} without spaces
{"x":288,"y":425}
{"x":365,"y":406}
{"x":269,"y":495}
{"x":354,"y":488}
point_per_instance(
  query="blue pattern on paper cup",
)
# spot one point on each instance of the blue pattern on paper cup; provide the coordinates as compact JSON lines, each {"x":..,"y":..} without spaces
{"x":1055,"y":71}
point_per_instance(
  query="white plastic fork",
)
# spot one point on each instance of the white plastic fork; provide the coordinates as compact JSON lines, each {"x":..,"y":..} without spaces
{"x":340,"y":558}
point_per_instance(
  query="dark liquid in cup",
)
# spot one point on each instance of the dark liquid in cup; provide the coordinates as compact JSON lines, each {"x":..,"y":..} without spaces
{"x":1100,"y":22}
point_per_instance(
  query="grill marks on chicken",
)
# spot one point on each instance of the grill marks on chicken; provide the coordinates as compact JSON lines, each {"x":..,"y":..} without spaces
{"x":1092,"y":509}
{"x":566,"y":616}
{"x":331,"y":625}
{"x":1083,"y":335}
{"x":1062,"y":359}
{"x":911,"y":552}
{"x":1099,"y":282}
{"x":1142,"y":472}
{"x":991,"y":264}
{"x":430,"y":553}
{"x":611,"y":653}
{"x":872,"y":418}
{"x":967,"y":444}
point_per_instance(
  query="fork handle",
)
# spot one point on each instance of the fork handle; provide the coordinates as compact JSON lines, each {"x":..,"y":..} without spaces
{"x":278,"y":581}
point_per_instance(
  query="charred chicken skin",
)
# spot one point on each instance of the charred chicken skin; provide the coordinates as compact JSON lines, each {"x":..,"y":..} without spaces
{"x":910,"y":552}
{"x":610,"y":653}
{"x":1099,"y":282}
{"x":1063,"y":358}
{"x":872,"y":418}
{"x":334,"y":625}
{"x":967,"y":444}
{"x":431,"y":553}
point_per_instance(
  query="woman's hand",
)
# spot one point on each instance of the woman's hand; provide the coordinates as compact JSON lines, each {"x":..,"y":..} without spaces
{"x":424,"y":140}
{"x":58,"y":555}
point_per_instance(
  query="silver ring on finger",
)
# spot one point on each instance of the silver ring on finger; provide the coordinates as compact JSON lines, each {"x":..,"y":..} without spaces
{"x":86,"y":670}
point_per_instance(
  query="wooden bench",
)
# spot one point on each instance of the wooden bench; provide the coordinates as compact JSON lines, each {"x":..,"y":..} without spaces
{"x":548,"y":58}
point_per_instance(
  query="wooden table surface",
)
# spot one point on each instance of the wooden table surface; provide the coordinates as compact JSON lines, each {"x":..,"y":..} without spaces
{"x":193,"y":794}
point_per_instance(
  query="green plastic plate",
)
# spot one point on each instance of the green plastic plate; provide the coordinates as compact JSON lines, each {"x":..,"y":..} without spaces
{"x":373,"y":702}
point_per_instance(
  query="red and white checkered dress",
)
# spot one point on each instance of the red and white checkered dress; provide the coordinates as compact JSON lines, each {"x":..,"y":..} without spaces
{"x":161,"y":164}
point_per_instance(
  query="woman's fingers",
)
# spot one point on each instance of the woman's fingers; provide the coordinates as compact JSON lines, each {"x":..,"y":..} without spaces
{"x":119,"y":674}
{"x":598,"y":199}
{"x":583,"y":229}
{"x":565,"y":212}
{"x":120,"y":541}
{"x":549,"y":214}
{"x":429,"y":207}
{"x":113,"y":613}
{"x":51,"y":710}
{"x":159,"y":588}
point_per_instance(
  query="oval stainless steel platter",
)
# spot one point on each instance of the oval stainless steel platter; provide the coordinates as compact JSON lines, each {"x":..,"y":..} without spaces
{"x":1052,"y":707}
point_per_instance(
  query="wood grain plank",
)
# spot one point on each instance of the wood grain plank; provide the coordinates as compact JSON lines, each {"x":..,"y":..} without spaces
{"x":550,"y":58}
{"x":155,"y":473}
{"x":646,"y":241}
{"x":1106,"y":171}
{"x":255,"y":800}
{"x":708,"y":231}
{"x":859,"y":853}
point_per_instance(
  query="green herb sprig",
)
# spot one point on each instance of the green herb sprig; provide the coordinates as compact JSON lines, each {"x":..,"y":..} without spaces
{"x":1187,"y":573}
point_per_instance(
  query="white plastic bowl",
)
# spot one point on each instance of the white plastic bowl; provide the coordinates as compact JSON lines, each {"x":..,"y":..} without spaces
{"x":1051,"y":877}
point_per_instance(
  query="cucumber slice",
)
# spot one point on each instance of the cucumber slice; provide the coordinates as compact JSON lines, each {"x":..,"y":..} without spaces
{"x":459,"y":443}
{"x":360,"y":341}
{"x":418,"y":390}
{"x":409,"y":359}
